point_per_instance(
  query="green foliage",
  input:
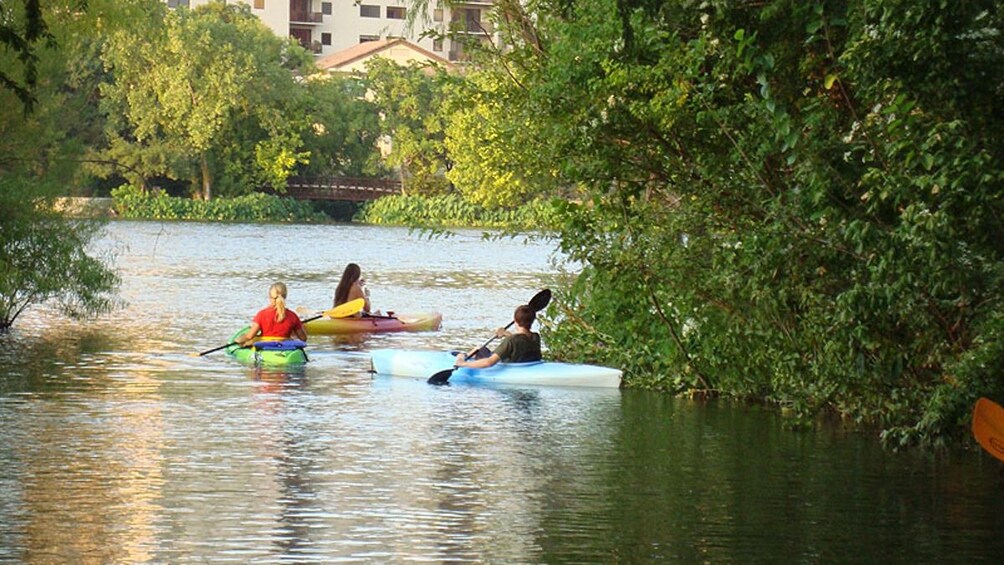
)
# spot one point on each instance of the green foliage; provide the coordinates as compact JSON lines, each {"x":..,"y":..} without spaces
{"x":211,"y":91}
{"x":342,"y":140}
{"x":43,"y":258}
{"x":134,"y":203}
{"x":413,"y":104}
{"x":795,"y":202}
{"x":451,"y":210}
{"x":21,"y":29}
{"x":495,"y":162}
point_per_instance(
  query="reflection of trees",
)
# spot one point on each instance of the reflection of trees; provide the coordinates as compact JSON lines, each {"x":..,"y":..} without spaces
{"x":90,"y":472}
{"x":347,"y":342}
{"x":508,"y":479}
{"x":714,"y":483}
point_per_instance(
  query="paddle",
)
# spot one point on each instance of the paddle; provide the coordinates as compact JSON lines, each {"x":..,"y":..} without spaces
{"x":538,"y":303}
{"x":350,"y":308}
{"x":988,"y":426}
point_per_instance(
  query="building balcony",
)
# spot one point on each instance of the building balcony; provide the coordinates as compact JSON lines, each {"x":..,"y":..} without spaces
{"x":473,"y":27}
{"x":306,"y":18}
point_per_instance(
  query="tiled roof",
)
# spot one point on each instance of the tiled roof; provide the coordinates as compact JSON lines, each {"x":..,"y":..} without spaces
{"x":335,"y":61}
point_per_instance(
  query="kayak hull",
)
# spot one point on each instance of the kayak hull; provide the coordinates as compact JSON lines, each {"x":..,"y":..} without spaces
{"x":273,"y":358}
{"x":425,"y":321}
{"x":424,"y":364}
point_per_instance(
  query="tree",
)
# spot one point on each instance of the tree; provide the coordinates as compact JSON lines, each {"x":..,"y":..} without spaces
{"x":19,"y":34}
{"x":496,"y":154}
{"x":344,"y":131}
{"x":43,"y":258}
{"x":789,"y":201}
{"x":212,"y":88}
{"x":43,"y":255}
{"x":412,"y":102}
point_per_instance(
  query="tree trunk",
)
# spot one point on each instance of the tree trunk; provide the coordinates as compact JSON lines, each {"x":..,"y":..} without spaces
{"x":207,"y":183}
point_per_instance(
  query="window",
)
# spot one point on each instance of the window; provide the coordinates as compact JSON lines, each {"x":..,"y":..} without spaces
{"x":177,"y":3}
{"x":437,"y":45}
{"x":326,"y":8}
{"x":437,"y":15}
{"x":301,"y":35}
{"x":325,"y":39}
{"x":367,"y":38}
{"x":369,"y":11}
{"x":467,"y":19}
{"x":395,"y":13}
{"x":259,"y":4}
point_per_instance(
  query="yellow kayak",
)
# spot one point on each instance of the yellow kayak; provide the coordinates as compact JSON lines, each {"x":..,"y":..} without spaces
{"x":424,"y":321}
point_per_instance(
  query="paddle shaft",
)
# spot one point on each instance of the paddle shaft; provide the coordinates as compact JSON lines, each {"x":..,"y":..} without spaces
{"x":208,"y":351}
{"x":493,"y":338}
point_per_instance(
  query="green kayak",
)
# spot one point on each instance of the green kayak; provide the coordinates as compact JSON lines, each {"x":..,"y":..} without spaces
{"x":269,"y":352}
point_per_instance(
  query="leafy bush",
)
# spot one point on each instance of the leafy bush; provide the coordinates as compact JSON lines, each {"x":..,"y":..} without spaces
{"x":44,"y":258}
{"x":452,"y":210}
{"x":798,"y":202}
{"x":131,"y":202}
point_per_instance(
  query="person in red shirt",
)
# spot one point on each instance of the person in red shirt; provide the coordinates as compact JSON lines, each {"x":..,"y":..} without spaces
{"x":275,"y":320}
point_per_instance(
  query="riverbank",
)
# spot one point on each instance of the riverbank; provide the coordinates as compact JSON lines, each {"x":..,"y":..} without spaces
{"x":441,"y":212}
{"x":86,"y":207}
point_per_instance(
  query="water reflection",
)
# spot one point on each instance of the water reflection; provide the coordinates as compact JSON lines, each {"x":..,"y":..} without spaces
{"x":119,"y":446}
{"x":91,"y":476}
{"x":283,"y":444}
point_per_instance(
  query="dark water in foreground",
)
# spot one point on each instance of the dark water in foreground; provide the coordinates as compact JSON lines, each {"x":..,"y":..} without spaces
{"x":117,"y":446}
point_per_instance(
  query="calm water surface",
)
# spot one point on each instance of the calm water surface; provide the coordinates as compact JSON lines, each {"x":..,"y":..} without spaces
{"x":118,"y":446}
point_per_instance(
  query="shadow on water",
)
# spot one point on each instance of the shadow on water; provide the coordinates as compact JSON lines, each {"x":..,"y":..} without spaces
{"x":714,"y":482}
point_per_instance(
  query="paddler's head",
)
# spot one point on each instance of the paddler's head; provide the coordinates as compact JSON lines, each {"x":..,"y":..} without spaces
{"x":277,"y":298}
{"x":524,"y":316}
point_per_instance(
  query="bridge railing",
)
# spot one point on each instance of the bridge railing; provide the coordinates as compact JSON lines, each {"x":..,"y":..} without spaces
{"x":340,"y":188}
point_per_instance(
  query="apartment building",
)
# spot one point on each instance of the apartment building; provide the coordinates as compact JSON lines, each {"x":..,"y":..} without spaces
{"x":329,"y":26}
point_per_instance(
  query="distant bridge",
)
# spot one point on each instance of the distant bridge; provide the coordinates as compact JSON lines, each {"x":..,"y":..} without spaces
{"x":340,"y":188}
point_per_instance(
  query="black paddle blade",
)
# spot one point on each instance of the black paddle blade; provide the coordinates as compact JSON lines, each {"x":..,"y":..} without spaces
{"x":441,"y":377}
{"x":540,"y":300}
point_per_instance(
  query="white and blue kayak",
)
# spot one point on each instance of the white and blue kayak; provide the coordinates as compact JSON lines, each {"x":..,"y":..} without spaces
{"x":423,"y":364}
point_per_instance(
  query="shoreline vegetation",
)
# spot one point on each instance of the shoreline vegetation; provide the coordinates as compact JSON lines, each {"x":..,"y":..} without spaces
{"x":442,"y":211}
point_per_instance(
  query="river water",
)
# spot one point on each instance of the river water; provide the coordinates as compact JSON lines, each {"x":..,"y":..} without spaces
{"x":117,"y":445}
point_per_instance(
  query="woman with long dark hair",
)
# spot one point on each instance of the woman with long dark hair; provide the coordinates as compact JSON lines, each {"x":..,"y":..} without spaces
{"x":352,"y":286}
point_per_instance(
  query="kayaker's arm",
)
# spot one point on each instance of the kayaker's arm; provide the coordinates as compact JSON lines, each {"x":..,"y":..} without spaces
{"x":477,"y":363}
{"x":249,"y":335}
{"x":298,"y":332}
{"x":358,"y":290}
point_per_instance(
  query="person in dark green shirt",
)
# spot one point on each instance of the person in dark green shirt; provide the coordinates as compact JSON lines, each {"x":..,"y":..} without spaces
{"x":520,"y":346}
